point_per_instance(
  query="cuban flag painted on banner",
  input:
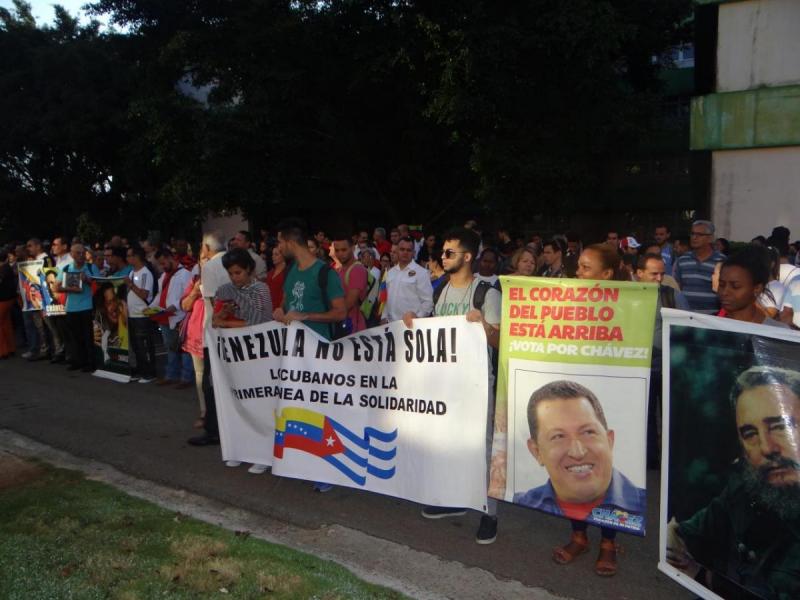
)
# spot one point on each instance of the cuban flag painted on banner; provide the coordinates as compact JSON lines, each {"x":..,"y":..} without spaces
{"x":357,"y":456}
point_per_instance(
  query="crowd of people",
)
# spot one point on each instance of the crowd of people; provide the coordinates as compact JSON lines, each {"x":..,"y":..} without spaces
{"x":347,"y":282}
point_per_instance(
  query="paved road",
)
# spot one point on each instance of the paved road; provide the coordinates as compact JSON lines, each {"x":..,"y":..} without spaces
{"x":141,"y":430}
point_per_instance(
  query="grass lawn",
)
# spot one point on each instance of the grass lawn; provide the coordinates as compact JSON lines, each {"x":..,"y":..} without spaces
{"x":62,"y":536}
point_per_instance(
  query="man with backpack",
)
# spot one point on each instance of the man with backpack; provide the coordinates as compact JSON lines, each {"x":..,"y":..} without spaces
{"x":355,"y":282}
{"x":312,"y":292}
{"x":464,"y":294}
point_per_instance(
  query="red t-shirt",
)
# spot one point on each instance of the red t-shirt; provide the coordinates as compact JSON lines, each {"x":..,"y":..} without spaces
{"x":383,"y":247}
{"x":275,"y":284}
{"x":578,"y":511}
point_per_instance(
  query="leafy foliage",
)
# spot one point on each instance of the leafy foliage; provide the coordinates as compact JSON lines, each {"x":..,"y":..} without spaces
{"x":64,"y":93}
{"x":352,"y":111}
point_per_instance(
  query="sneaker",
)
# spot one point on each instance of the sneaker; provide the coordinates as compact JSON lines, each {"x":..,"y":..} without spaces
{"x":133,"y":379}
{"x":487,"y":531}
{"x":441,"y":512}
{"x":232,"y":463}
{"x":323,"y":487}
{"x":204,"y":440}
{"x":146,"y":379}
{"x":28,"y":355}
{"x":258,"y":469}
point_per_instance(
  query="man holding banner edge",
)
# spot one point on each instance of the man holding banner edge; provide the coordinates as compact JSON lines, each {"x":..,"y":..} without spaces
{"x":465,"y":295}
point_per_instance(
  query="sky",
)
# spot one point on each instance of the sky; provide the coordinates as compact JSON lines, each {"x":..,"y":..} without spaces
{"x":43,"y":9}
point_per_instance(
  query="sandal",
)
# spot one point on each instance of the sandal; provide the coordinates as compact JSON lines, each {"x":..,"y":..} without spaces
{"x":578,"y":544}
{"x":606,"y":565}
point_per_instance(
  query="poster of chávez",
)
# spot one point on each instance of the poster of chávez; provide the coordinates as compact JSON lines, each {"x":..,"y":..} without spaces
{"x":731,"y":504}
{"x":110,"y":326}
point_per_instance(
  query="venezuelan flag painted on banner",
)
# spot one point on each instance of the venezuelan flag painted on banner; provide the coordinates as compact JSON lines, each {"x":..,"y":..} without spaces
{"x":356,"y":456}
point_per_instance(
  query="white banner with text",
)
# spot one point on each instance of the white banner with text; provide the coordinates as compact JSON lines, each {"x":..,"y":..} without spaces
{"x":391,"y":410}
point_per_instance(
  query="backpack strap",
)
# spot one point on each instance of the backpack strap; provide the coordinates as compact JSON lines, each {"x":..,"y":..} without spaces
{"x":322,"y":280}
{"x":347,"y":274}
{"x":437,"y":293}
{"x":369,"y":277}
{"x":479,"y":296}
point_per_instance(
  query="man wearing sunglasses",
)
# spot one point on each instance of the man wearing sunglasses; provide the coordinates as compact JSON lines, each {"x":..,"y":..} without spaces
{"x":408,"y":286}
{"x":465,"y":294}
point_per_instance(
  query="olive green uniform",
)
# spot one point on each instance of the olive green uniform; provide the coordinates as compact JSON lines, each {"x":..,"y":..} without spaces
{"x":745,"y":545}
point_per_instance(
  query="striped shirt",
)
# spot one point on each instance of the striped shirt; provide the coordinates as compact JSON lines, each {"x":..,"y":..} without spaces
{"x":694,"y":277}
{"x":253,"y":302}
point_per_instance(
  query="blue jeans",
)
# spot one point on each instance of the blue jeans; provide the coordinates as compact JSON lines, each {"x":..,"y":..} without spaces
{"x":179,"y":363}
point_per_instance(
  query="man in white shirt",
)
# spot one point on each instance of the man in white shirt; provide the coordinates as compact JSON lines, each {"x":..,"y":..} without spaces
{"x":171,"y":285}
{"x":212,"y":275}
{"x":60,"y":250}
{"x":141,"y":286}
{"x":408,"y":286}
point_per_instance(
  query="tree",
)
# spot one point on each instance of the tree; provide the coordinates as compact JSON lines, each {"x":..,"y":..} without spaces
{"x":546,"y":91}
{"x":352,"y":111}
{"x":63,"y":94}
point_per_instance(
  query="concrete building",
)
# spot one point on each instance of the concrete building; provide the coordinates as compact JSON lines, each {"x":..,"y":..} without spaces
{"x":748,"y":119}
{"x":226,"y":223}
